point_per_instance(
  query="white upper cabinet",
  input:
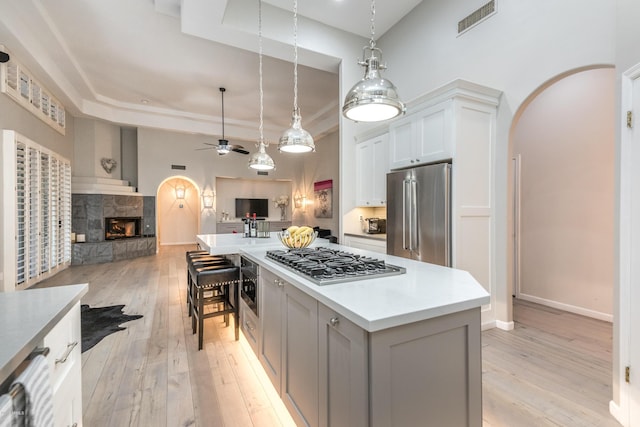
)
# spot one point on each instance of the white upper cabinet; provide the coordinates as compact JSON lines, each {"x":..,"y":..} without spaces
{"x":422,"y":137}
{"x":372,"y":165}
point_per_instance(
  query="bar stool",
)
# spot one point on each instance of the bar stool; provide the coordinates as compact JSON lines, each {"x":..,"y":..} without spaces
{"x":197,"y":263}
{"x":215,"y":286}
{"x":196,"y":255}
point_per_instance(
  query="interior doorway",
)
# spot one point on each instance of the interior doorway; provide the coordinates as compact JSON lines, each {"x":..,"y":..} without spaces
{"x":562,"y":194}
{"x":178,"y":207}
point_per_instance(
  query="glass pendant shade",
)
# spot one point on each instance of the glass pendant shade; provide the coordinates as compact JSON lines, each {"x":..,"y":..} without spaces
{"x":261,"y":160}
{"x":373,"y":98}
{"x":223,"y":145}
{"x":295,"y":139}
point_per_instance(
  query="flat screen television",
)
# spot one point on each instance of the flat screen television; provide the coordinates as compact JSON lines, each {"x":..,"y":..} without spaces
{"x":258,"y":206}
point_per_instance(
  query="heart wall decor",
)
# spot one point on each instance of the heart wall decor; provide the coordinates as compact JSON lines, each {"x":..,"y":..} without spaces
{"x":108,"y":164}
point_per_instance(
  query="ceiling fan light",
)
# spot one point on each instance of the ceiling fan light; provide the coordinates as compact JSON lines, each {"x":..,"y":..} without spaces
{"x":223,"y":147}
{"x":295,"y":139}
{"x":261,"y":160}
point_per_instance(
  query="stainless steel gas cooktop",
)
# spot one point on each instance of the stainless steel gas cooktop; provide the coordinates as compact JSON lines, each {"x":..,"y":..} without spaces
{"x":325,"y":266}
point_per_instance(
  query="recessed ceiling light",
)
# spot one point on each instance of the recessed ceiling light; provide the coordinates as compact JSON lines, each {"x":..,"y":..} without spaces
{"x":144,"y":101}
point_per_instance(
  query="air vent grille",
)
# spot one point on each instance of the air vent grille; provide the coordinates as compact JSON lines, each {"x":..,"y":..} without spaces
{"x":477,"y":16}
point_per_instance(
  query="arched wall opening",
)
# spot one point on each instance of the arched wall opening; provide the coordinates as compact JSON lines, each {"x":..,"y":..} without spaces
{"x":561,"y":194}
{"x":178,"y":215}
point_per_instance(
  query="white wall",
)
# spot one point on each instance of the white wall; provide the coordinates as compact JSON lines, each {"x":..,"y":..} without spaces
{"x":158,"y":150}
{"x":516,"y":51}
{"x":177,"y":219}
{"x":565,"y":138}
{"x":94,"y":141}
{"x":228,"y":189}
{"x":319,"y":166}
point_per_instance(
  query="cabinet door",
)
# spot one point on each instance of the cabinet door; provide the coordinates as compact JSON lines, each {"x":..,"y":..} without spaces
{"x":372,"y":165}
{"x":300,"y":356}
{"x":434,"y":139}
{"x":379,"y":169}
{"x":270,"y":304}
{"x":374,"y":245}
{"x":401,"y":145}
{"x":249,"y":325}
{"x":364,"y":164}
{"x":343,"y":371}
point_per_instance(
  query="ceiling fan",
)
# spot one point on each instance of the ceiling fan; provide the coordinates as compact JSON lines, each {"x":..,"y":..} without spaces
{"x":223,"y":147}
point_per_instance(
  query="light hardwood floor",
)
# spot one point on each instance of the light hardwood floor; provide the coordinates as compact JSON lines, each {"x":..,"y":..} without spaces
{"x":554,"y":369}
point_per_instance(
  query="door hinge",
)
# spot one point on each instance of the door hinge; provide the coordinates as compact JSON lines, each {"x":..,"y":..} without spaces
{"x":630,"y":119}
{"x":627,"y":373}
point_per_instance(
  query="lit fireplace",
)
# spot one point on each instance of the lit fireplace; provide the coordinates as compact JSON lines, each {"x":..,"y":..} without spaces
{"x":121,"y":228}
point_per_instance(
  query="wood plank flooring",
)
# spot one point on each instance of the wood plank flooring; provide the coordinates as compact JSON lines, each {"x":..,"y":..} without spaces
{"x":553,"y":369}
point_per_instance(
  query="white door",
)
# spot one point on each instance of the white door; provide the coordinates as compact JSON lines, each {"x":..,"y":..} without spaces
{"x":629,"y":273}
{"x":634,"y":291}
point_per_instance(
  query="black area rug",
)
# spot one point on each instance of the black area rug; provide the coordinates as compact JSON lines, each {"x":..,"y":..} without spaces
{"x":98,"y":322}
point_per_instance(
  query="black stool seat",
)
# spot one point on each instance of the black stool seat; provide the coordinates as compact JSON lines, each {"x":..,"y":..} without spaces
{"x":193,"y":265}
{"x":191,"y":254}
{"x":215,"y":286}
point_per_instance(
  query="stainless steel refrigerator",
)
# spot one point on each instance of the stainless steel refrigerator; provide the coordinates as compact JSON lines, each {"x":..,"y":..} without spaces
{"x":419,"y":213}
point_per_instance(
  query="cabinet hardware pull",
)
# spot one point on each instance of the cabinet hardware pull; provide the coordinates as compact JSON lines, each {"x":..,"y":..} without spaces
{"x":334,"y":321}
{"x":70,"y":348}
{"x":248,"y":325}
{"x":280,"y":283}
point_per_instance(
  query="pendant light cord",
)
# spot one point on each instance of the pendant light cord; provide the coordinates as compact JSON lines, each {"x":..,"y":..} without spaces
{"x":260,"y":67}
{"x":295,"y":55}
{"x":373,"y":23}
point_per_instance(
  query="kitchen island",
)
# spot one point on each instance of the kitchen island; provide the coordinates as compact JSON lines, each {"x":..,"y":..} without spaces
{"x":388,"y":351}
{"x":45,"y":318}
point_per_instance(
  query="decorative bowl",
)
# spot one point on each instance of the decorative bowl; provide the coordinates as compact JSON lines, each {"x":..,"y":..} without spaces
{"x":297,"y":240}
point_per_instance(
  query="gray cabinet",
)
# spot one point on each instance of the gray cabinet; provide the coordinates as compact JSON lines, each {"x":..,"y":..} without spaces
{"x":427,"y":373}
{"x":343,"y":371}
{"x":270,"y":354}
{"x":331,"y":372}
{"x":289,"y":346}
{"x":249,"y":325}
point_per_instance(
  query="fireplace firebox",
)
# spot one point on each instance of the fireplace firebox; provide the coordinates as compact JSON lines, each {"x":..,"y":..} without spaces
{"x":122,"y":228}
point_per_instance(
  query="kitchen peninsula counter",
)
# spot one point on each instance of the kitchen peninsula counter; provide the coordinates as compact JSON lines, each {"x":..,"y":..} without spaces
{"x":27,"y":317}
{"x":425,"y":291}
{"x":393,"y":350}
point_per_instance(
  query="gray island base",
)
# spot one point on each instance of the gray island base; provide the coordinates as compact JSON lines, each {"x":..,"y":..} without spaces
{"x":393,"y":351}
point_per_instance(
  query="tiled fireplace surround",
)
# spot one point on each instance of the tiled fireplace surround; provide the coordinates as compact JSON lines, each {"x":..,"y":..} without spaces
{"x":88,"y":214}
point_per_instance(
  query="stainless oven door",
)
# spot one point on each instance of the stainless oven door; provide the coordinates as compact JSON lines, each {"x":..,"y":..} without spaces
{"x":249,"y":284}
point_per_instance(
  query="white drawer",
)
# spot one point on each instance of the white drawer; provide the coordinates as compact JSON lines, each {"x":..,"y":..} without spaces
{"x":64,"y":342}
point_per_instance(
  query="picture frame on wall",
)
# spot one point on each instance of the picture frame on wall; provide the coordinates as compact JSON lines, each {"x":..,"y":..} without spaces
{"x":323,"y":199}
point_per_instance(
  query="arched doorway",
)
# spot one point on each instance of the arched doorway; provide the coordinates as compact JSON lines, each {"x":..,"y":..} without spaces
{"x":562,"y":194}
{"x":178,"y":206}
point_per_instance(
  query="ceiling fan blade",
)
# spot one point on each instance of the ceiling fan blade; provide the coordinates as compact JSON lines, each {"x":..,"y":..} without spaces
{"x":207,"y":148}
{"x":208,"y":143}
{"x":239,"y":149}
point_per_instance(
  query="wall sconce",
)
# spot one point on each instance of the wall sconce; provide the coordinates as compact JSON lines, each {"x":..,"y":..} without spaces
{"x":207,"y":201}
{"x":180,"y":191}
{"x":300,"y":202}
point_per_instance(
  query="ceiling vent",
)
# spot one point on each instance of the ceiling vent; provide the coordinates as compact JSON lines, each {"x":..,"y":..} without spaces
{"x":477,"y":17}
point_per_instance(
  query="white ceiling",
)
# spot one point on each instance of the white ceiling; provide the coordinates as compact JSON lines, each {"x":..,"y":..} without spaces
{"x":161,"y":62}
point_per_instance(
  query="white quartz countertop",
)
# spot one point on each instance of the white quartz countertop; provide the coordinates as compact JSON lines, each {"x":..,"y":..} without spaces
{"x":425,"y":291}
{"x":234,"y":243}
{"x":27,"y":316}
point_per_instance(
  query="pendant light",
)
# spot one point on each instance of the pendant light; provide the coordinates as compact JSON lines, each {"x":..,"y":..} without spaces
{"x":295,"y":139}
{"x":261,"y":160}
{"x":373,"y":98}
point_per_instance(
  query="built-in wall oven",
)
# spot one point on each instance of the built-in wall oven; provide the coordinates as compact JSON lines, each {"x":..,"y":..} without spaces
{"x":249,"y":321}
{"x":249,"y":283}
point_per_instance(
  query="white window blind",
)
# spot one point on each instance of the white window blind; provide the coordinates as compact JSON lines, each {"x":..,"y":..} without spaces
{"x":40,"y":204}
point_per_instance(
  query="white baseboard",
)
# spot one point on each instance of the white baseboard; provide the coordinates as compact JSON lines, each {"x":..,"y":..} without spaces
{"x":177,"y":243}
{"x":568,"y":307}
{"x":505,"y":326}
{"x":614,"y":410}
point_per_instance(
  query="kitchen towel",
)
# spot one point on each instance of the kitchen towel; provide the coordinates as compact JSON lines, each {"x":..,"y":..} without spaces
{"x":6,"y":411}
{"x":38,"y":394}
